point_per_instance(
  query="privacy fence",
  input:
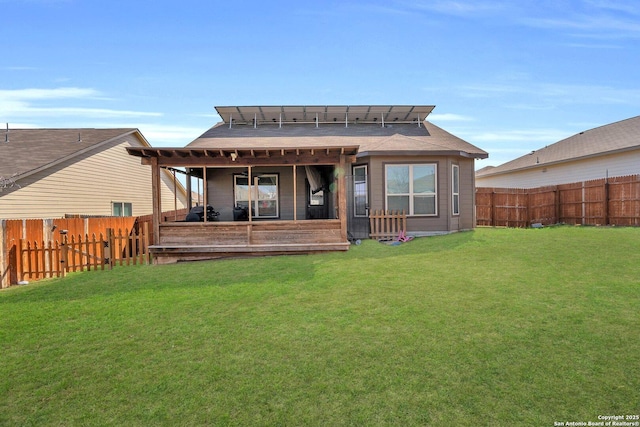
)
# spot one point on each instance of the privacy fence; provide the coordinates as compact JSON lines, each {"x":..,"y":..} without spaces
{"x":32,"y":249}
{"x":611,"y":201}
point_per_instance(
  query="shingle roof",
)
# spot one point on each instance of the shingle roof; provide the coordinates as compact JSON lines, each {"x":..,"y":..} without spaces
{"x":31,"y":149}
{"x":371,"y":138}
{"x":615,"y":137}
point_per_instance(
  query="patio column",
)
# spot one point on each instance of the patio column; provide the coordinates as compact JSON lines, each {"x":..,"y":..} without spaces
{"x":295,"y":193}
{"x":156,"y":187}
{"x":189,"y":191}
{"x":342,"y":196}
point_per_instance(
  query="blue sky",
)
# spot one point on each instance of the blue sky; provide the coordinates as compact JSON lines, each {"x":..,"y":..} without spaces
{"x":507,"y":76}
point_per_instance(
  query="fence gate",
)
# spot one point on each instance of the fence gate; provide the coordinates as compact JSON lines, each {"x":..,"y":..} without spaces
{"x":40,"y":260}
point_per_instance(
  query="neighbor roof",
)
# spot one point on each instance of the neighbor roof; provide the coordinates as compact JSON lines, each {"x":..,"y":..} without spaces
{"x":615,"y":137}
{"x":24,"y":151}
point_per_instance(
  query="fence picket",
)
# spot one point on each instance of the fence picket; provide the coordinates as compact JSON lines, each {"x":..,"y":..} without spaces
{"x":387,"y":224}
{"x":596,"y":202}
{"x":41,"y":259}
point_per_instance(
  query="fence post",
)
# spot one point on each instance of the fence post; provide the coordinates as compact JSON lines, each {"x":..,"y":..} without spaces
{"x":145,"y":230}
{"x":63,"y":255}
{"x":4,"y":258}
{"x":557,"y":202}
{"x":108,"y":249}
{"x":605,"y":203}
{"x":493,"y":208}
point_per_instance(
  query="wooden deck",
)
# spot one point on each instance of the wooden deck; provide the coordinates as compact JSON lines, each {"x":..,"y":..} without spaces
{"x":188,"y":241}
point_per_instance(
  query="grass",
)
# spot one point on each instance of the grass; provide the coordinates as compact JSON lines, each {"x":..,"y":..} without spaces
{"x":491,"y":327}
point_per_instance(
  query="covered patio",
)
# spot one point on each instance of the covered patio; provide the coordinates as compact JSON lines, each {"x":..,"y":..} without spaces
{"x":285,"y":230}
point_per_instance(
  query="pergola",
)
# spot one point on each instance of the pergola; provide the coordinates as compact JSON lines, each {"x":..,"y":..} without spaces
{"x":184,"y":240}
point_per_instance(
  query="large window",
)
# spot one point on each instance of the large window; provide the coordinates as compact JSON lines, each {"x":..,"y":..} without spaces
{"x":412,"y":188}
{"x":360,"y":192}
{"x":121,"y":209}
{"x":455,"y":189}
{"x":264,"y":195}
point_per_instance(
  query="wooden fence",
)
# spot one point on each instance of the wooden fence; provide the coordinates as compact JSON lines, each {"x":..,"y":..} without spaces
{"x":387,"y":225}
{"x":612,"y":201}
{"x":39,"y":241}
{"x":40,"y":260}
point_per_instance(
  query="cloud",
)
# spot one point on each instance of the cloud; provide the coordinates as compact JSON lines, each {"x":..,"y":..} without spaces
{"x":456,"y":7}
{"x":29,"y":103}
{"x":519,"y":135}
{"x":448,"y":117}
{"x":172,"y":135}
{"x":39,"y":94}
{"x":546,"y":95}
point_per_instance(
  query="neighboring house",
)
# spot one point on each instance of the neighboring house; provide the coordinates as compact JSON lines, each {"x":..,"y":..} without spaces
{"x":49,"y":173}
{"x":307,"y":177}
{"x":606,"y":151}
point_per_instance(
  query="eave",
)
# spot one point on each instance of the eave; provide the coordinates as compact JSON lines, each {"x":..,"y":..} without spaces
{"x":243,"y":156}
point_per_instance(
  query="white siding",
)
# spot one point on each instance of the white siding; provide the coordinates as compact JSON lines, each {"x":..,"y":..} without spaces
{"x":88,"y":185}
{"x":620,"y":164}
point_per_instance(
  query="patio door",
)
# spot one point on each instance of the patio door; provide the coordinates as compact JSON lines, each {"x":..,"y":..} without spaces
{"x":264,"y":195}
{"x":358,"y":205}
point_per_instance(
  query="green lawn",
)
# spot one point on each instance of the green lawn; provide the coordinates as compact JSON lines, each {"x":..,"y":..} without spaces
{"x":492,"y":327}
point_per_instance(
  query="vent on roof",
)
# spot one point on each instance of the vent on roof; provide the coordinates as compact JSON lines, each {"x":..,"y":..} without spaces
{"x":6,"y":135}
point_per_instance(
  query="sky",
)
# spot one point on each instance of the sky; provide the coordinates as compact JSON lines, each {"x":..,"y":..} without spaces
{"x":507,"y":76}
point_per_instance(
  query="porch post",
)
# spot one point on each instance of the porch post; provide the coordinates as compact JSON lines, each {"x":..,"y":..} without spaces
{"x":250,"y":182}
{"x":189,"y":198}
{"x":342,"y":196}
{"x":205,"y":190}
{"x":155,"y":194}
{"x":295,"y":193}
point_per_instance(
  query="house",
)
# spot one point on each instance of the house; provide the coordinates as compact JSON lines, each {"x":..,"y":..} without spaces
{"x":305,"y":179}
{"x":50,"y":173}
{"x":606,"y":151}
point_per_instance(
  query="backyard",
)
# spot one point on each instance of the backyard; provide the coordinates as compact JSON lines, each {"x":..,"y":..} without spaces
{"x":518,"y":327}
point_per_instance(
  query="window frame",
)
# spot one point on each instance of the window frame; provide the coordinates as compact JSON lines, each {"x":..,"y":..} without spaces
{"x":123,"y":209}
{"x":356,"y":194}
{"x":410,"y":194}
{"x":455,"y":192}
{"x":254,"y":194}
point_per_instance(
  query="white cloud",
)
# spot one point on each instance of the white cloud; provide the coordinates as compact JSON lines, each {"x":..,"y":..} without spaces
{"x":519,"y":135}
{"x":39,"y":94}
{"x":21,"y":103}
{"x":172,"y":135}
{"x":448,"y":117}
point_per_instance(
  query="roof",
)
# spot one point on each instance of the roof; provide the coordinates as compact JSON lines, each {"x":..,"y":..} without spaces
{"x":608,"y":139}
{"x":401,"y":132}
{"x":30,"y":150}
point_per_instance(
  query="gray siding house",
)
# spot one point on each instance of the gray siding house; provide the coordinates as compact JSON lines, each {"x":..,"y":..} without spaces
{"x":293,"y":165}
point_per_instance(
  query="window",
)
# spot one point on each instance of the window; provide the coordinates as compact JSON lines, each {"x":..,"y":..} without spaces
{"x":264,"y":195}
{"x":455,"y":189}
{"x":412,"y":188}
{"x":121,"y":209}
{"x":317,"y":198}
{"x":360,"y":192}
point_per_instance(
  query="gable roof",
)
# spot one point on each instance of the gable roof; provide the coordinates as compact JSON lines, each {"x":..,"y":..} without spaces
{"x":608,"y":139}
{"x":31,"y":150}
{"x":403,"y":132}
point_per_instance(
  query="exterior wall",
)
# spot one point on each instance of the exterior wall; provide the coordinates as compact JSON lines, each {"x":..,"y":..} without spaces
{"x":220,"y":190}
{"x":620,"y":164}
{"x":444,"y":221}
{"x":88,"y":185}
